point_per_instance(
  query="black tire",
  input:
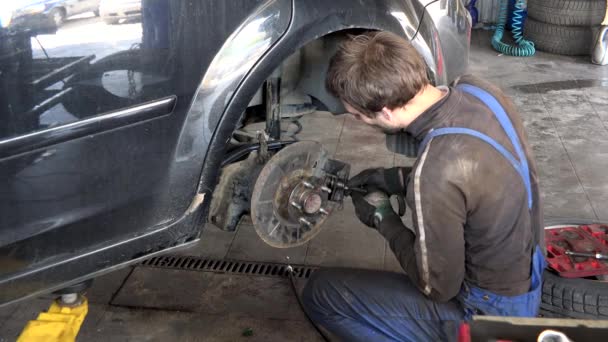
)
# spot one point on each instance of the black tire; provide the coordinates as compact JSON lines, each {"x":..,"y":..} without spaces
{"x":561,"y":40}
{"x":573,"y":298}
{"x":567,"y":12}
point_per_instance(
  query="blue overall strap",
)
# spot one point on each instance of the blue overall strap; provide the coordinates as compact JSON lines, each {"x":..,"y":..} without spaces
{"x":521,"y":167}
{"x":467,"y":131}
{"x":507,"y":126}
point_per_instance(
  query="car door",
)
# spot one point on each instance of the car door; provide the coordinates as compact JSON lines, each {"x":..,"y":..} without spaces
{"x":92,"y":155}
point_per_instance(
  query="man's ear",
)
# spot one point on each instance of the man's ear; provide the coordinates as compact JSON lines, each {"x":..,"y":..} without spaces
{"x":388,"y":114}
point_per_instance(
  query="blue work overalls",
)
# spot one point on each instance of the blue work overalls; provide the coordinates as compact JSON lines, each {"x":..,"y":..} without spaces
{"x":367,"y":305}
{"x":473,"y":299}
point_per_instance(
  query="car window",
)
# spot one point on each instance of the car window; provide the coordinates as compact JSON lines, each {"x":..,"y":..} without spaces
{"x":61,"y":64}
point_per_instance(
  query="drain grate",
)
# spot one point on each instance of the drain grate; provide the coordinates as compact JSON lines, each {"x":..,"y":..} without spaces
{"x":227,"y":266}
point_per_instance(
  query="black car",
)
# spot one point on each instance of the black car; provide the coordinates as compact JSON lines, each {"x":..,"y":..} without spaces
{"x":112,"y":138}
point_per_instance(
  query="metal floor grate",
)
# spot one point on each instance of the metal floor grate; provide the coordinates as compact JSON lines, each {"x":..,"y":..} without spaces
{"x":227,"y":266}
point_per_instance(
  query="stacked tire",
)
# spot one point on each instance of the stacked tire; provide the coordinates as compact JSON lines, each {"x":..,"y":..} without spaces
{"x":563,"y":26}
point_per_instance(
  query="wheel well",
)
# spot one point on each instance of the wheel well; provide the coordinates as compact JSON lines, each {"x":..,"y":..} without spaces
{"x":296,"y":87}
{"x":303,"y":73}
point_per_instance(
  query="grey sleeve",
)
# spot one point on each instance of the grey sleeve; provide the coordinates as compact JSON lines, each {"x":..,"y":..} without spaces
{"x":439,"y":215}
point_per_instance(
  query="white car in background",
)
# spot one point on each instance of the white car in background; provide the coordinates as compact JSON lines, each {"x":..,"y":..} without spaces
{"x":44,"y":13}
{"x":115,"y":11}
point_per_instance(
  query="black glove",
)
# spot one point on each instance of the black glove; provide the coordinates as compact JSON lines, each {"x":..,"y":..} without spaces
{"x":391,"y":181}
{"x":375,"y":213}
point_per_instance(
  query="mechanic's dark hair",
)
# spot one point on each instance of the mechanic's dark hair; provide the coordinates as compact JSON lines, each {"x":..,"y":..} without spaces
{"x":375,"y":70}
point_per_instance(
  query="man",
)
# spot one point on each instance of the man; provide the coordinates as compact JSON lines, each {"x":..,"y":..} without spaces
{"x":475,"y":245}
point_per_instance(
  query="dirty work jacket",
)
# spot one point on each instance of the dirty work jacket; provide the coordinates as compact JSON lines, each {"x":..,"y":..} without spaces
{"x":469,"y":205}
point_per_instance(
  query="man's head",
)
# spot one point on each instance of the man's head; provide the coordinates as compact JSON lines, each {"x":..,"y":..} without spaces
{"x":375,"y":75}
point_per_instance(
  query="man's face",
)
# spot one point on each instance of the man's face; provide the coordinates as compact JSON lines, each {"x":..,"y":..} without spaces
{"x":384,"y":122}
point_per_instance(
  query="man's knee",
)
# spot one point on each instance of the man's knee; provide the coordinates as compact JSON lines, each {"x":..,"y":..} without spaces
{"x":317,"y":293}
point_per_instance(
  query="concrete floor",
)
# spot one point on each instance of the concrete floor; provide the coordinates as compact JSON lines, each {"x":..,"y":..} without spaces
{"x":564,"y":103}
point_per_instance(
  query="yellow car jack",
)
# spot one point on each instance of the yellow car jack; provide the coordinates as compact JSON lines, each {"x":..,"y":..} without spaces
{"x":60,"y":323}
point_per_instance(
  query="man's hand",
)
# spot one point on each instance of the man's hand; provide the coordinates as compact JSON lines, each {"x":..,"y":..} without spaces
{"x":391,"y":181}
{"x":373,"y":208}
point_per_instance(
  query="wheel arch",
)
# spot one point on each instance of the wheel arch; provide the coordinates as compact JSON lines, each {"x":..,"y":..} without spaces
{"x":305,"y":27}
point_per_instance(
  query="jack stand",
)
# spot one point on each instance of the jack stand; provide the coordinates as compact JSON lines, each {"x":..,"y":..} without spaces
{"x":61,"y":323}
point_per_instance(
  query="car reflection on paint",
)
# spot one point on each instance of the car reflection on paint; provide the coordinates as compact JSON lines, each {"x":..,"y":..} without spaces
{"x":118,"y":11}
{"x":44,"y":14}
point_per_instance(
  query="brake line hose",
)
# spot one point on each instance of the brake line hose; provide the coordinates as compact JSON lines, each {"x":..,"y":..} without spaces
{"x":523,"y":47}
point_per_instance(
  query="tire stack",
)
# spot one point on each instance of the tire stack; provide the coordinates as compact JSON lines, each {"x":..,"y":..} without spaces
{"x":563,"y":26}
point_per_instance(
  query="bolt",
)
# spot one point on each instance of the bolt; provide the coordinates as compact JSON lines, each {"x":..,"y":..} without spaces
{"x":326,"y":189}
{"x":305,"y":222}
{"x":323,"y":211}
{"x":289,"y":269}
{"x":308,"y":185}
{"x":296,"y":205}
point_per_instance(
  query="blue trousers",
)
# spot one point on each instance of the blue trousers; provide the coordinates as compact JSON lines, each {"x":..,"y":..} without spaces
{"x":362,"y":305}
{"x":366,"y":305}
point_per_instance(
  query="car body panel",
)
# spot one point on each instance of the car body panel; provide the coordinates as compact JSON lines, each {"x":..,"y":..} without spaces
{"x":121,"y":177}
{"x":87,"y":201}
{"x":448,"y":28}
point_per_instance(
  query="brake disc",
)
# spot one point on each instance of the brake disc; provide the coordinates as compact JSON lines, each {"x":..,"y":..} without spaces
{"x":290,"y":198}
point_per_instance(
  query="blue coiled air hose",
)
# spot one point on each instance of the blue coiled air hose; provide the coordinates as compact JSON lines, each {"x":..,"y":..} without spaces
{"x":523,"y":47}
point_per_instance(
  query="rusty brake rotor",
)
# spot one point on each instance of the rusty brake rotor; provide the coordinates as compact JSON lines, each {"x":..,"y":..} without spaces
{"x":291,"y":199}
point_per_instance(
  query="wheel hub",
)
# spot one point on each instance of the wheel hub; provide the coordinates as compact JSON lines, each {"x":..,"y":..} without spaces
{"x":291,"y":199}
